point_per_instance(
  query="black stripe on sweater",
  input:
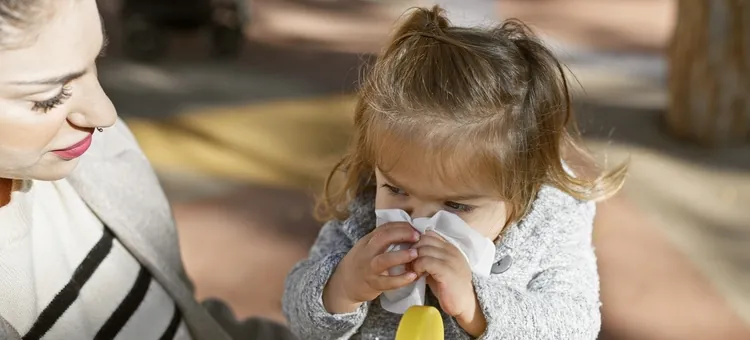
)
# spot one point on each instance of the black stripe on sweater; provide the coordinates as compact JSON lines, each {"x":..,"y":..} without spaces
{"x":62,"y":301}
{"x":171,"y":331}
{"x":127,"y":307}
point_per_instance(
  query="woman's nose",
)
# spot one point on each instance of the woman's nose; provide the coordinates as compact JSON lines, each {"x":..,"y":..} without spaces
{"x":92,"y":107}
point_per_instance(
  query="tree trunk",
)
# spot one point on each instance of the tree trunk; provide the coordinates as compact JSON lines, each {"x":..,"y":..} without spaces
{"x":709,"y":78}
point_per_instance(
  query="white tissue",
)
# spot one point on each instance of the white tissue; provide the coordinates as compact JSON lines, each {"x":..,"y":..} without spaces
{"x":478,"y":250}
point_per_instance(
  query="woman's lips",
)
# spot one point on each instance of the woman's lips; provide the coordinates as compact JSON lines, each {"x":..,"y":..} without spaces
{"x":75,"y":150}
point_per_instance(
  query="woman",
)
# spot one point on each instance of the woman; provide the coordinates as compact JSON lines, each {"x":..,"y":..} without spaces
{"x":88,"y":248}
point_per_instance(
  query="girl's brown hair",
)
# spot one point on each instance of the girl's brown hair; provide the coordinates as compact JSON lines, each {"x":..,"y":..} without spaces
{"x":487,"y":109}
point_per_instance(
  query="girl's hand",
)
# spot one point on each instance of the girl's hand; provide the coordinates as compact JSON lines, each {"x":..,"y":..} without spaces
{"x":450,"y":278}
{"x":362,"y":275}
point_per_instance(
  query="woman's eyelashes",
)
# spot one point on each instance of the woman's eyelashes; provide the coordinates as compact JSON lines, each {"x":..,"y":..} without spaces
{"x":45,"y":105}
{"x":454,"y":206}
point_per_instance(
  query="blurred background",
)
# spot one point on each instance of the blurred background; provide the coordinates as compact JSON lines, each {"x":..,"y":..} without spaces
{"x":242,"y":106}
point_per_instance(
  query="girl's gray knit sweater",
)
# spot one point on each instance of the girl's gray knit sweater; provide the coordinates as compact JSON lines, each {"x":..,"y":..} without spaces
{"x":550,"y":290}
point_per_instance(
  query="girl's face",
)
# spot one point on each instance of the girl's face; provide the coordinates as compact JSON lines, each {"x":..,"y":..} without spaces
{"x":50,"y":98}
{"x":421,"y":197}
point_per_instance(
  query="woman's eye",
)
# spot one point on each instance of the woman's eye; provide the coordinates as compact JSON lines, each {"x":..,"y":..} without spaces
{"x":394,"y":191}
{"x":58,"y":99}
{"x":459,"y":207}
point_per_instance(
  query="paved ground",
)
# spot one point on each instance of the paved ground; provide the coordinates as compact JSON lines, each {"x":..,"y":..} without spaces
{"x":241,"y":145}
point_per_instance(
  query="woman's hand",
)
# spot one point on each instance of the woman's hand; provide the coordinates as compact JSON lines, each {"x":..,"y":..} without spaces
{"x":362,"y":275}
{"x":450,"y":278}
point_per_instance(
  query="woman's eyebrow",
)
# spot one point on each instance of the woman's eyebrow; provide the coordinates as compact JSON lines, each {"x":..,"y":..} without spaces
{"x":105,"y":43}
{"x":59,"y":80}
{"x":53,"y":80}
{"x":105,"y":37}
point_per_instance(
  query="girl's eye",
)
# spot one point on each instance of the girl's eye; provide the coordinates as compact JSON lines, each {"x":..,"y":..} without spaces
{"x":459,"y":207}
{"x":49,"y":104}
{"x":394,"y":191}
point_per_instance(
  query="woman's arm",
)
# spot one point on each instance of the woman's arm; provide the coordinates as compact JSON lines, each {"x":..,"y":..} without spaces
{"x":562,"y":299}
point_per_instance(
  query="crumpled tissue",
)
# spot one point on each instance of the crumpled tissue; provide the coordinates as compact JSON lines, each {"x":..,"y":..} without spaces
{"x":478,"y":250}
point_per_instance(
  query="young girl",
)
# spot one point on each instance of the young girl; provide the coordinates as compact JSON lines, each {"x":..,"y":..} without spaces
{"x":88,"y":246}
{"x":473,"y":122}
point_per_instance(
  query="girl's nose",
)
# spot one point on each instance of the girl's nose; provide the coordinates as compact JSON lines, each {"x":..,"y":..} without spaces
{"x":423,"y":210}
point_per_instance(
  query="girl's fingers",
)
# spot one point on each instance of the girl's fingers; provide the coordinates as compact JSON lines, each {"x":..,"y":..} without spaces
{"x":432,"y":239}
{"x":432,"y":251}
{"x":391,"y":233}
{"x":428,"y":239}
{"x":434,"y":235}
{"x":383,"y":282}
{"x":430,"y":265}
{"x":385,"y":261}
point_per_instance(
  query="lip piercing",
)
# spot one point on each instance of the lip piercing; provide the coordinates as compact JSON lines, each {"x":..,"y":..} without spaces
{"x":100,"y":129}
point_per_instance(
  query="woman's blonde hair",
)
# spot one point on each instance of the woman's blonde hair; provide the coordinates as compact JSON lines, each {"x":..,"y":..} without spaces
{"x":487,"y":109}
{"x":20,"y":21}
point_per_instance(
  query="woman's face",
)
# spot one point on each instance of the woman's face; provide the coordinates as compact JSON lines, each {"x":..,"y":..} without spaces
{"x":50,"y":98}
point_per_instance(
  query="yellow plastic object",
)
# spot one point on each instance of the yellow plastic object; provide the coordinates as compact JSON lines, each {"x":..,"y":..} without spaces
{"x":421,"y":323}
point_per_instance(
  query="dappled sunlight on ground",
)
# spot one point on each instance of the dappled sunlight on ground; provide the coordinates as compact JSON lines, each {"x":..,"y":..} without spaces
{"x":289,"y":143}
